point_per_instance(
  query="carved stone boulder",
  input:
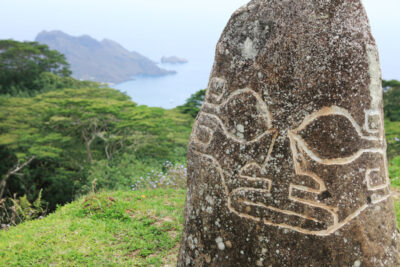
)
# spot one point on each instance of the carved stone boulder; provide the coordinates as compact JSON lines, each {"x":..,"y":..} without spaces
{"x":287,"y":159}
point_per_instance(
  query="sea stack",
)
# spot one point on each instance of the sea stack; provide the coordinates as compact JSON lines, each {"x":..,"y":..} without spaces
{"x":287,"y":159}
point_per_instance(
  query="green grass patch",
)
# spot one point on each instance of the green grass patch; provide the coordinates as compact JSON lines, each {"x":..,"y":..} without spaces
{"x":397,"y":207}
{"x":137,"y":228}
{"x":394,"y":171}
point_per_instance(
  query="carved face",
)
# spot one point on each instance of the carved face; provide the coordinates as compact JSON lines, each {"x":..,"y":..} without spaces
{"x":336,"y":167}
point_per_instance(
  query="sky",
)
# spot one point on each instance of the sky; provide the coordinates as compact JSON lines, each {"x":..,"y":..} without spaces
{"x":155,"y":28}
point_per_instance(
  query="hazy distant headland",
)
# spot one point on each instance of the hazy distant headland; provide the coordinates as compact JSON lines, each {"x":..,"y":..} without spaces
{"x":105,"y":61}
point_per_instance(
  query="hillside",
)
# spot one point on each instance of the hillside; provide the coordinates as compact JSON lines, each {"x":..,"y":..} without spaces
{"x":76,"y":136}
{"x":140,"y":228}
{"x":105,"y":61}
{"x":137,"y":228}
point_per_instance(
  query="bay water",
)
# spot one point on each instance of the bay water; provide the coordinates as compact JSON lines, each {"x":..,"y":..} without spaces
{"x":171,"y":90}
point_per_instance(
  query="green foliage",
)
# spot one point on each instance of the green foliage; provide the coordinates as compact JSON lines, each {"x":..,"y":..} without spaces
{"x":121,"y":172}
{"x":127,"y":172}
{"x":392,"y":130}
{"x":17,"y":210}
{"x":166,"y":133}
{"x":389,"y":84}
{"x":76,"y":133}
{"x":141,"y":228}
{"x":171,"y":176}
{"x":193,"y":103}
{"x":394,"y":171}
{"x":26,"y":210}
{"x":391,"y":100}
{"x":392,"y":103}
{"x":23,"y":67}
{"x":48,"y":81}
{"x":397,"y":207}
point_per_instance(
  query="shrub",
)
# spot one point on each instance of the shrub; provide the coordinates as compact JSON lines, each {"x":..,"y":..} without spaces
{"x":16,"y":210}
{"x":173,"y":176}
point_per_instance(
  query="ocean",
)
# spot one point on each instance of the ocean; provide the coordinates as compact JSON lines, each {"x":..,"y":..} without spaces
{"x":171,"y":90}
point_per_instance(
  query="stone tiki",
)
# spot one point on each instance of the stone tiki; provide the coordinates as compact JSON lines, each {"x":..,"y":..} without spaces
{"x":286,"y":162}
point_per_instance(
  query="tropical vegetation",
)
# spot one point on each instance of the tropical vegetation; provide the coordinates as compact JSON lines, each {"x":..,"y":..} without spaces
{"x":111,"y":173}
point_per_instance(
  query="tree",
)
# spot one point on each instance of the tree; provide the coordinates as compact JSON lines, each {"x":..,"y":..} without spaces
{"x":391,"y":100}
{"x":22,"y":63}
{"x":14,"y":171}
{"x":68,"y":131}
{"x":90,"y":115}
{"x":193,"y":103}
{"x":30,"y":149}
{"x":390,"y":84}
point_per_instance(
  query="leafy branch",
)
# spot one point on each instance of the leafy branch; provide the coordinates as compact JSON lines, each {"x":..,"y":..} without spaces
{"x":14,"y":171}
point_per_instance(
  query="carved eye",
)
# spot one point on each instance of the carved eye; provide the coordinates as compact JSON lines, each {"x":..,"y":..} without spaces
{"x":331,"y":136}
{"x":245,"y":115}
{"x":332,"y":133}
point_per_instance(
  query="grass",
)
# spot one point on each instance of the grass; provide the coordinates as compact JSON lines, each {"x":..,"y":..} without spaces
{"x":136,"y":228}
{"x":106,"y":229}
{"x":394,"y":170}
{"x":397,"y":207}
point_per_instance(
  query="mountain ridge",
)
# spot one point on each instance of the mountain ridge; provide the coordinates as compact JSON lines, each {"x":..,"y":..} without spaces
{"x":102,"y":61}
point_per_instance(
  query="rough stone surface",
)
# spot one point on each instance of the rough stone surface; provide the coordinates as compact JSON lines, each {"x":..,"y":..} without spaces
{"x":287,"y":163}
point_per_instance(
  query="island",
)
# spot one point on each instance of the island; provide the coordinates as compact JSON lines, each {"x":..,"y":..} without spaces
{"x":101,"y":61}
{"x":174,"y":60}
